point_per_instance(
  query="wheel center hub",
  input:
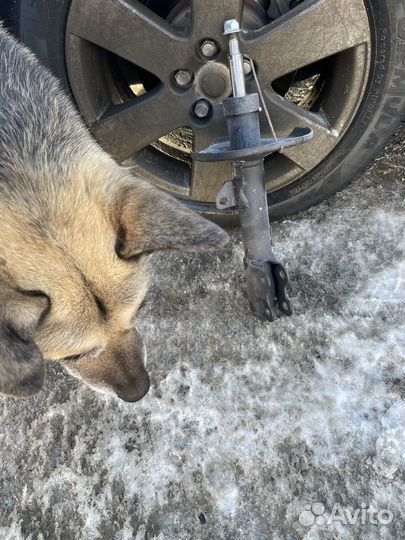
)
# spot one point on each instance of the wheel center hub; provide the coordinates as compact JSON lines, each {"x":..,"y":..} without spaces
{"x":214,"y":81}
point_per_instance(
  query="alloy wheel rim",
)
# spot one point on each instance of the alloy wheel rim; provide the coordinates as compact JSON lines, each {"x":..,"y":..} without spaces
{"x":137,"y":129}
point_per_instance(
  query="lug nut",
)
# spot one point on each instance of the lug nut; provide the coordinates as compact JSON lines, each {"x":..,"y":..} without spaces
{"x":209,"y":48}
{"x":202,"y":108}
{"x":247,"y":68}
{"x":183,"y":77}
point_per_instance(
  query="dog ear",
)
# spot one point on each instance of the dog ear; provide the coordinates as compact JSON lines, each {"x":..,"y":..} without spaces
{"x":22,"y":368}
{"x":149,"y":220}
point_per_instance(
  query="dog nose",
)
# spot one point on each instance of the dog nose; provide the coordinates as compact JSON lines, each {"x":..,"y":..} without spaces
{"x":135,"y":390}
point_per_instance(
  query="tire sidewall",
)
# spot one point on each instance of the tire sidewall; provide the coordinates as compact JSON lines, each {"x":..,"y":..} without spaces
{"x":379,"y":115}
{"x":41,"y":26}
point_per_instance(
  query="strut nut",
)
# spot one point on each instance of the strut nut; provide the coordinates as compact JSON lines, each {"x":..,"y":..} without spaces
{"x":202,"y":108}
{"x":183,"y":77}
{"x":231,"y":27}
{"x":209,"y":48}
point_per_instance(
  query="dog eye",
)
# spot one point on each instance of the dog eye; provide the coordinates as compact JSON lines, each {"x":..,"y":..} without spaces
{"x":136,"y":258}
{"x":88,"y":354}
{"x":73,"y":357}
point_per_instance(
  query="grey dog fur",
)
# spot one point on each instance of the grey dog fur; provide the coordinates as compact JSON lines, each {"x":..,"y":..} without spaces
{"x":56,"y":183}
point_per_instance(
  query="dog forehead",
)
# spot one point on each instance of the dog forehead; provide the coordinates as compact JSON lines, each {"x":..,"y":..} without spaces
{"x":66,"y":251}
{"x":94,"y":301}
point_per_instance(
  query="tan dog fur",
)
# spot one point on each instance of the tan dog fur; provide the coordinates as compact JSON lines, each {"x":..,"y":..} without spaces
{"x":75,"y":237}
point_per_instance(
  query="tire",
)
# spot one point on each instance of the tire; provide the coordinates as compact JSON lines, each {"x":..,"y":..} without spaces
{"x":42,"y":24}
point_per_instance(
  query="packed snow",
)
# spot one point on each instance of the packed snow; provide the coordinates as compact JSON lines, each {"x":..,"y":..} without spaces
{"x":251,"y":431}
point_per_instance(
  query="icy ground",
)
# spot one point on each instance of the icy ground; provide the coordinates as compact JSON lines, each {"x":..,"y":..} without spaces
{"x":246,"y":423}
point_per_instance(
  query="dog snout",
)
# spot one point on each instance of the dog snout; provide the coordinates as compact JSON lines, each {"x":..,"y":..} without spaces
{"x":135,"y":389}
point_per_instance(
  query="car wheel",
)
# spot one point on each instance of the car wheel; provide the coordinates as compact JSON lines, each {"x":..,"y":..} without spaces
{"x":139,"y":72}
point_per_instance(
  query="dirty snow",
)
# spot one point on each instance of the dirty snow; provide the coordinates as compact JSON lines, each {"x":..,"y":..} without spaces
{"x":247,"y":424}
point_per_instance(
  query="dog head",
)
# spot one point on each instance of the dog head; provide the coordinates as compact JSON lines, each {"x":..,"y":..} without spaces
{"x":76,"y":272}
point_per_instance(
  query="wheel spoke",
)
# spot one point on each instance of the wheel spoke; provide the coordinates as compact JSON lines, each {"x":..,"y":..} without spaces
{"x":208,"y":178}
{"x":209,"y":16}
{"x":130,"y":30}
{"x":315,"y":30}
{"x":286,"y":116}
{"x":124,"y":130}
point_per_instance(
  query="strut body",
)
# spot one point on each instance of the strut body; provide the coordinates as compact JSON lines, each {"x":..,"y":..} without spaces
{"x":266,"y":278}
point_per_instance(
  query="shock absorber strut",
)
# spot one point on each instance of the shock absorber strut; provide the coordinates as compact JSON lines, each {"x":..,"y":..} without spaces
{"x":266,"y":277}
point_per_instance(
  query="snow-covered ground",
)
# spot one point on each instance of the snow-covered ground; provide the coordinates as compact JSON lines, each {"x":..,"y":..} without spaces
{"x":247,"y":424}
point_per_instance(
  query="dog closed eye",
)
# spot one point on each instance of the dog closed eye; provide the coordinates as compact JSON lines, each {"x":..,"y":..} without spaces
{"x":73,"y":357}
{"x":85,"y":355}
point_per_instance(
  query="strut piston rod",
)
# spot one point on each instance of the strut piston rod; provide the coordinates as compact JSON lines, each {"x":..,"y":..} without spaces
{"x":266,"y":277}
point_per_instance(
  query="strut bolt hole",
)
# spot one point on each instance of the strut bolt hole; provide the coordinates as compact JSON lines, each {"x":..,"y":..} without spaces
{"x":223,"y":201}
{"x":202,"y":108}
{"x":183,"y":77}
{"x":209,"y":48}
